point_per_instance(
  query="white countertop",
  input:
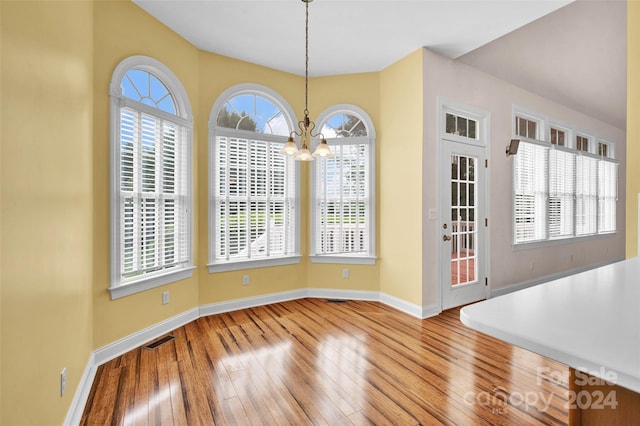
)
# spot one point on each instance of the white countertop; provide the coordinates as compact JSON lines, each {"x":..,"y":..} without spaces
{"x":589,"y":321}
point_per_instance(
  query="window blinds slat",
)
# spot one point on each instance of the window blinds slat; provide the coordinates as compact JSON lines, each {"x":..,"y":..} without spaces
{"x":607,"y":195}
{"x":530,"y":188}
{"x":561,"y":193}
{"x":586,"y":195}
{"x":153,"y":192}
{"x":581,"y":197}
{"x":254,"y":200}
{"x":342,"y":200}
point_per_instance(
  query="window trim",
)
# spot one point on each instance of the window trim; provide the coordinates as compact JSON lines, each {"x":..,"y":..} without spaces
{"x":184,"y":118}
{"x":362,"y":259}
{"x":542,"y":124}
{"x":289,"y":115}
{"x":449,"y":107}
{"x":572,"y":133}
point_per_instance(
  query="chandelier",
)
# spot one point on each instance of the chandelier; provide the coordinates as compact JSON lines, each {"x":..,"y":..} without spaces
{"x":305,"y":125}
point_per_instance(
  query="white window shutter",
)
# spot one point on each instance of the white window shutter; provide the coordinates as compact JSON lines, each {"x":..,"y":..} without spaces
{"x":607,"y":195}
{"x":586,"y":195}
{"x":255,"y":202}
{"x":562,"y":166}
{"x":343,"y":200}
{"x":530,"y":190}
{"x":153,"y":195}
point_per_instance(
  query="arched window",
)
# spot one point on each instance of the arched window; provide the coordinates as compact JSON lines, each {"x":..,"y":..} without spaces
{"x":151,"y":195}
{"x":343,"y":189}
{"x":253,"y":214}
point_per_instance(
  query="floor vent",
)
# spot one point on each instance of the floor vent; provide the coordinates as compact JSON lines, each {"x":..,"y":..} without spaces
{"x":159,"y":342}
{"x":336,"y":301}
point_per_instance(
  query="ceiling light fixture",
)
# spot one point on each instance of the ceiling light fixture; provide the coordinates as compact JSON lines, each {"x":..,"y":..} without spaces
{"x":306,"y":126}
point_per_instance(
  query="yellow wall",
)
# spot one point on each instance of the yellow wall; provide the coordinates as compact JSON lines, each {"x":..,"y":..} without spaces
{"x":633,"y":125}
{"x":400,"y":149}
{"x":361,"y":90}
{"x":122,"y":29}
{"x":46,"y":139}
{"x":217,"y":74}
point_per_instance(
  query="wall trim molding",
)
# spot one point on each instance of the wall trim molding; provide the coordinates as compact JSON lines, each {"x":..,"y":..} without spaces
{"x":74,"y":415}
{"x":401,"y":305}
{"x":530,"y":283}
{"x":251,"y":302}
{"x":132,"y":341}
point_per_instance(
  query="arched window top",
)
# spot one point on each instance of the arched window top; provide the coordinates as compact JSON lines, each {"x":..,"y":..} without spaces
{"x":343,"y":125}
{"x":345,"y":121}
{"x":149,"y":82}
{"x":144,"y":87}
{"x":253,"y":112}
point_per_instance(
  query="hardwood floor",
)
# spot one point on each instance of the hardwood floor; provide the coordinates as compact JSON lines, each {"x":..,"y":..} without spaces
{"x":311,"y":361}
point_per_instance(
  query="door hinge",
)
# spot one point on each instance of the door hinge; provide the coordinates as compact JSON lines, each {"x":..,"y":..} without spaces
{"x":486,"y":221}
{"x":486,"y":163}
{"x":486,"y":281}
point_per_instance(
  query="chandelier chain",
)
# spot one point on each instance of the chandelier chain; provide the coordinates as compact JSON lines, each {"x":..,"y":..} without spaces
{"x":306,"y":59}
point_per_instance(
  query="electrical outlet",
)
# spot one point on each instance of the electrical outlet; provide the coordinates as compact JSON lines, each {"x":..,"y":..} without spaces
{"x":63,"y":381}
{"x":165,"y":297}
{"x":245,"y":280}
{"x":345,"y":273}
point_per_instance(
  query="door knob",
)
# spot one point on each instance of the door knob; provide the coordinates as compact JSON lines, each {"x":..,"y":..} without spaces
{"x":446,"y":238}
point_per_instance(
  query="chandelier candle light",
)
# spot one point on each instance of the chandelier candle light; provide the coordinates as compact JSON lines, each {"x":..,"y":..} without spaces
{"x":306,"y":125}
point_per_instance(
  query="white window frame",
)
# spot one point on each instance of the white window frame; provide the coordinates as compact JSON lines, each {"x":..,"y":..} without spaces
{"x":369,"y":257}
{"x":118,"y":286}
{"x":568,"y":134}
{"x":571,"y":148}
{"x":235,"y":265}
{"x":541,"y":125}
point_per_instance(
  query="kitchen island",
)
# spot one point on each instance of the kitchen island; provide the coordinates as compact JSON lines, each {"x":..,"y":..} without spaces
{"x":589,"y":321}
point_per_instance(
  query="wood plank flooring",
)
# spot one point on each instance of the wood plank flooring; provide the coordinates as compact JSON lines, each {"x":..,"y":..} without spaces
{"x":311,"y":361}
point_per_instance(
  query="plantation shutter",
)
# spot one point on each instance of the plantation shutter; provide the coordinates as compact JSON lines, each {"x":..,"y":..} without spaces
{"x":607,"y":195}
{"x":562,"y":166}
{"x":586,"y":195}
{"x":530,"y":192}
{"x":254,"y":200}
{"x":343,"y":200}
{"x":153,"y":194}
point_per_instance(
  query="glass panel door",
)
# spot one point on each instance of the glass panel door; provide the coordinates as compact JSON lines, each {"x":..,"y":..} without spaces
{"x":463,"y":219}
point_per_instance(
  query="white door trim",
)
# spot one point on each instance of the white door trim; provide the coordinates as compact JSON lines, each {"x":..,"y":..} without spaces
{"x":484,"y":196}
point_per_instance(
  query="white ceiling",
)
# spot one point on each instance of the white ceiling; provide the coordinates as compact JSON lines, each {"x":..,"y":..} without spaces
{"x":351,"y":36}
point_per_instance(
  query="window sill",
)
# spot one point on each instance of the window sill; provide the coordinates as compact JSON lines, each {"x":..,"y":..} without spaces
{"x":148,"y":283}
{"x":344,"y":259}
{"x":253,"y":264}
{"x":560,"y":241}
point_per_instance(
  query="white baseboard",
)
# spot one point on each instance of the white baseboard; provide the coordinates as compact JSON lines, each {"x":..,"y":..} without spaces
{"x":328,"y":293}
{"x":74,"y":415}
{"x":401,"y":305}
{"x":124,"y":345}
{"x":530,"y":283}
{"x":251,"y":302}
{"x":431,"y":311}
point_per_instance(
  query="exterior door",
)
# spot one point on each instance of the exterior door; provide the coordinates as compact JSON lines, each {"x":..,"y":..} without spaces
{"x":462,"y":224}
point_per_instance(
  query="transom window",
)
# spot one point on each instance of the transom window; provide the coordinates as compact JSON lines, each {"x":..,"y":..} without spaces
{"x":254,"y":213}
{"x":461,"y":126}
{"x":343,"y":188}
{"x":526,"y":127}
{"x":151,"y":198}
{"x":582,"y":143}
{"x":562,"y":192}
{"x":558,"y":137}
